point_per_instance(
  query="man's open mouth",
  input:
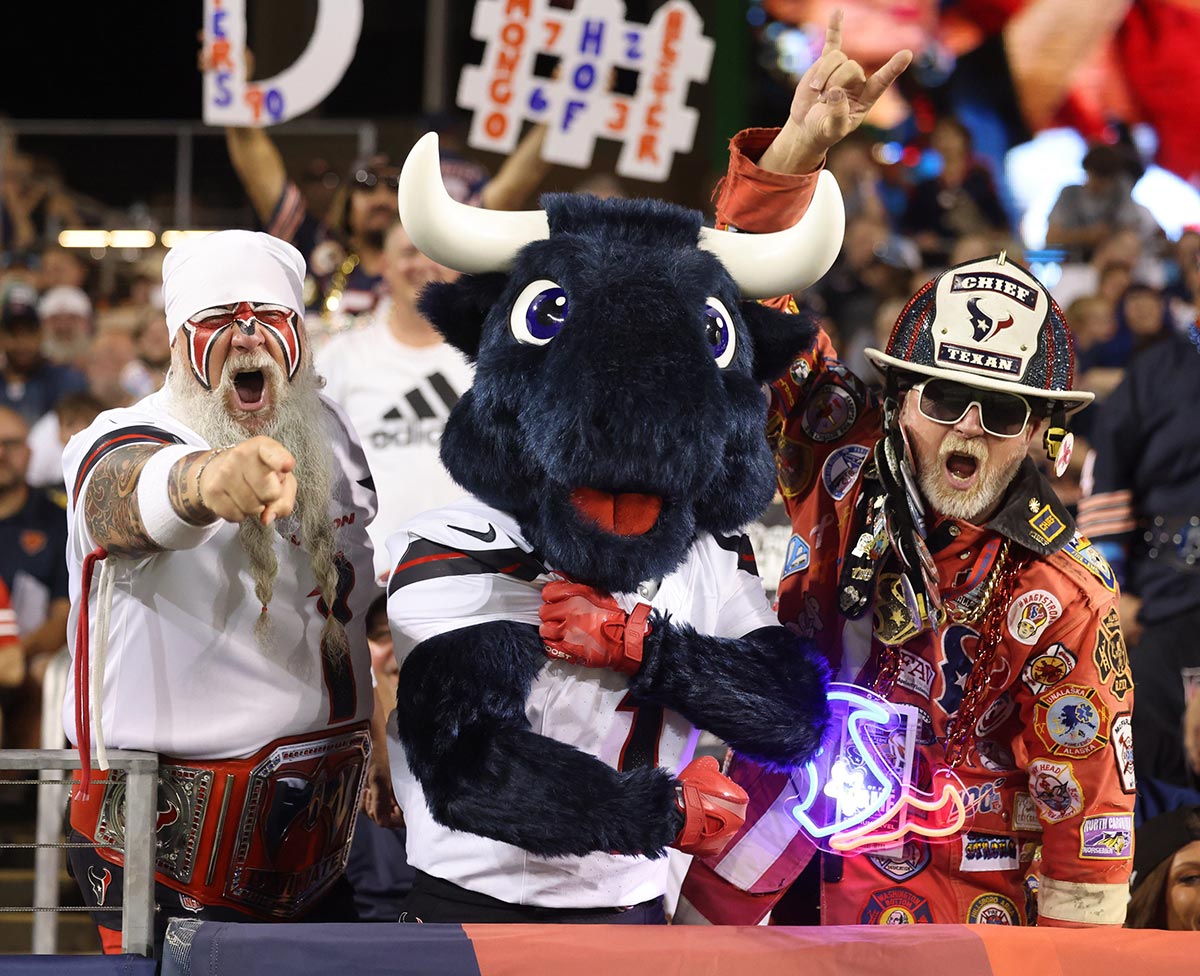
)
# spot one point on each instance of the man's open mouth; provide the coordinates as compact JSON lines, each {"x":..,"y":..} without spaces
{"x":625,"y":513}
{"x":250,"y":389}
{"x":961,"y":469}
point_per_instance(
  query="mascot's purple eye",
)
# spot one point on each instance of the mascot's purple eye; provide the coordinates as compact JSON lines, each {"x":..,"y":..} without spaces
{"x":719,"y":331}
{"x":539,"y":312}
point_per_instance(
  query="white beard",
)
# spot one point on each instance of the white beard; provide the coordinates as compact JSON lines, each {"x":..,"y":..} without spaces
{"x":969,"y":505}
{"x":299,"y":421}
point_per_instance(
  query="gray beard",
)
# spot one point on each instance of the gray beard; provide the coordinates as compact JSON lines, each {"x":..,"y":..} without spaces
{"x":966,"y":506}
{"x":300,"y":423}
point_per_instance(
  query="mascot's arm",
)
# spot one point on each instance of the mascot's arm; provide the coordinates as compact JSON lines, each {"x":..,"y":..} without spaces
{"x":461,"y":718}
{"x":763,"y":693}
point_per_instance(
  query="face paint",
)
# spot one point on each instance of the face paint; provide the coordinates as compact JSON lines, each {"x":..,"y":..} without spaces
{"x":279,"y":324}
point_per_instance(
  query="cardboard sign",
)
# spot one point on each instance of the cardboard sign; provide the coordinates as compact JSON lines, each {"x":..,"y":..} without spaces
{"x":231,"y":100}
{"x":590,"y":41}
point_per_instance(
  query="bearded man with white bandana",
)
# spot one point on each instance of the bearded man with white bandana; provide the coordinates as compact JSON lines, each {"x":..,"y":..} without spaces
{"x":220,"y":575}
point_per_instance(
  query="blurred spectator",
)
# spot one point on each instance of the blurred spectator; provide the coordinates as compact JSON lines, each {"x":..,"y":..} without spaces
{"x":12,"y":657}
{"x":1122,"y":250}
{"x":1093,"y":323}
{"x":874,"y":265}
{"x":33,"y":539}
{"x":1143,"y":513}
{"x":32,"y":204}
{"x":49,"y":436}
{"x":378,"y":868}
{"x":960,"y":200}
{"x":1114,"y":279}
{"x":66,"y":314}
{"x":62,"y":267}
{"x":107,"y":368}
{"x":1143,"y":312}
{"x":1083,"y":216}
{"x":151,"y":340}
{"x":32,"y":386}
{"x":1166,"y":879}
{"x":858,"y":177}
{"x":397,"y":381}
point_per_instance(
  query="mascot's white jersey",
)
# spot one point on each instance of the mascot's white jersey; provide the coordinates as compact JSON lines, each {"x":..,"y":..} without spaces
{"x":578,"y":705}
{"x":184,"y":674}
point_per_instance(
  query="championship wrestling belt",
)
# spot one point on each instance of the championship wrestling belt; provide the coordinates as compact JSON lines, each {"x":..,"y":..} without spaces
{"x":267,"y":835}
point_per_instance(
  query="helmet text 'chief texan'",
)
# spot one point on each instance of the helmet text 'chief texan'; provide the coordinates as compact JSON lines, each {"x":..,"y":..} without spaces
{"x":990,"y":324}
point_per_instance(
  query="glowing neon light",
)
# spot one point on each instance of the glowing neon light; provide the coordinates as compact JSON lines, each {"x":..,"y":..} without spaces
{"x":856,"y":793}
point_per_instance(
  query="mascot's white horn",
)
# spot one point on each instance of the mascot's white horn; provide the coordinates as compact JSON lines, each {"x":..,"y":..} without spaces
{"x":475,"y":241}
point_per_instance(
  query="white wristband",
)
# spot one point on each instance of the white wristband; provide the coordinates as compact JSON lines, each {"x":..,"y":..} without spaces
{"x":163,"y":524}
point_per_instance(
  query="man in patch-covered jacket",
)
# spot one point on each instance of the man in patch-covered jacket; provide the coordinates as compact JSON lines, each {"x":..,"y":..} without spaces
{"x":933,"y":562}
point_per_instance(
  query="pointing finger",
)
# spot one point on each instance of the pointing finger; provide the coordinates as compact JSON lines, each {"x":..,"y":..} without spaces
{"x":274,"y":455}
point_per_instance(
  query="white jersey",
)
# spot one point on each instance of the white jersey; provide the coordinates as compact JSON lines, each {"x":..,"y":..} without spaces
{"x":184,"y":674}
{"x":398,"y":398}
{"x":582,"y":706}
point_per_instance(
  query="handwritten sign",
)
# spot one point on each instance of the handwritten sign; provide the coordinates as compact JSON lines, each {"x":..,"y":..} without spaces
{"x":229,"y":99}
{"x":589,"y":41}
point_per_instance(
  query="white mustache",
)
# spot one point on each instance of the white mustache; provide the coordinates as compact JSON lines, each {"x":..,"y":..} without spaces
{"x":954,"y":443}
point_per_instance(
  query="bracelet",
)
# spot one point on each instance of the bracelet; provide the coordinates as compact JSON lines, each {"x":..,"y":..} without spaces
{"x":200,"y":474}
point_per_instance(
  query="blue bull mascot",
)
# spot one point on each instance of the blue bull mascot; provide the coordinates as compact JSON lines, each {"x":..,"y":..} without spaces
{"x":566,"y":630}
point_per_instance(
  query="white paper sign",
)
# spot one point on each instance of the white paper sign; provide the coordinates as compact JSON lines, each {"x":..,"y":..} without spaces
{"x":590,"y":40}
{"x":230,"y":100}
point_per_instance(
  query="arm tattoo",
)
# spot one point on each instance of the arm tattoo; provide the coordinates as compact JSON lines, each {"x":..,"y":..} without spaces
{"x":111,"y":510}
{"x":183,"y":488}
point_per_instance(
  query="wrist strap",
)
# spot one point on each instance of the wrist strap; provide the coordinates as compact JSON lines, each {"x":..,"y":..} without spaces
{"x":163,"y":524}
{"x":636,"y":629}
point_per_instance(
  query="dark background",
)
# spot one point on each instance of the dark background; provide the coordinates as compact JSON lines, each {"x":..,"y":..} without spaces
{"x":129,"y":60}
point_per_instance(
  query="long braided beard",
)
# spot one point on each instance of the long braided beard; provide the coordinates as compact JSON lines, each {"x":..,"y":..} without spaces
{"x":300,"y":423}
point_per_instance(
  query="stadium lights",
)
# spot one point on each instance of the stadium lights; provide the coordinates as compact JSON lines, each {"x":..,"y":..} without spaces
{"x":172,"y":237}
{"x":107,"y":238}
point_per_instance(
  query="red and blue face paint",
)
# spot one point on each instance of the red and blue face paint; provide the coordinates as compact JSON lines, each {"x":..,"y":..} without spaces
{"x":279,"y":324}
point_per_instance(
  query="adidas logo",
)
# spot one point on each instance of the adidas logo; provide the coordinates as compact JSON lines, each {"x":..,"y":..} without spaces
{"x":433,"y":398}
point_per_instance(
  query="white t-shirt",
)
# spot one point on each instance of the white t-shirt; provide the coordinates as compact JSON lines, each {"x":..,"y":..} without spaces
{"x":184,"y":674}
{"x":45,"y":452}
{"x":567,"y":702}
{"x":398,"y":398}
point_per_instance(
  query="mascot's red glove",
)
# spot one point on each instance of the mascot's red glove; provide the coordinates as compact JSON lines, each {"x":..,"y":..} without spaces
{"x":714,"y":808}
{"x":585,"y":626}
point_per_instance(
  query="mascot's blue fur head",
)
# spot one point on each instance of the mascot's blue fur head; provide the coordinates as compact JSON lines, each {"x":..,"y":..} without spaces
{"x":618,"y":407}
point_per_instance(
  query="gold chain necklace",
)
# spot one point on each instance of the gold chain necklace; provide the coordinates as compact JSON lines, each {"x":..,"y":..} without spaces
{"x":960,"y":610}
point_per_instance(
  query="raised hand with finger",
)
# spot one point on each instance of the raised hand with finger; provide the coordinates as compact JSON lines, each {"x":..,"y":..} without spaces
{"x":831,"y":100}
{"x":251,"y":480}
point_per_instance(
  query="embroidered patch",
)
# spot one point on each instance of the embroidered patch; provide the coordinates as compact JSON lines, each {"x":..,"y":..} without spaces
{"x":993,"y":909}
{"x":793,"y":464}
{"x":1031,"y":613}
{"x":1111,"y":656}
{"x":1055,"y":790}
{"x":1108,"y":837}
{"x":895,"y":906}
{"x":915,"y":674}
{"x":1072,"y":721}
{"x":986,"y":797}
{"x":841,"y":469}
{"x":913,"y":859}
{"x":189,"y":903}
{"x":1046,"y":526}
{"x":989,"y":852}
{"x":995,"y":756}
{"x":1122,"y":747}
{"x":1025,"y":817}
{"x":996,"y":714}
{"x":1091,"y":559}
{"x":796,"y":558}
{"x":32,"y":541}
{"x":1048,"y":668}
{"x":829,"y":413}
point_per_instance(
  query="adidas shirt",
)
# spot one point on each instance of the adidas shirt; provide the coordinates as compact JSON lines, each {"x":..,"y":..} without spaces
{"x":398,"y":398}
{"x":467,"y":564}
{"x":184,"y":675}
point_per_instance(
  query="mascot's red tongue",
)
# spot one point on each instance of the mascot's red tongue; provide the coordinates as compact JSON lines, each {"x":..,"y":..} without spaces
{"x":624,"y":514}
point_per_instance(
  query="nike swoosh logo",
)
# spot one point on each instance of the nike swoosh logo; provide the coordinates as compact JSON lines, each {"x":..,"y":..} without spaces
{"x":488,"y":536}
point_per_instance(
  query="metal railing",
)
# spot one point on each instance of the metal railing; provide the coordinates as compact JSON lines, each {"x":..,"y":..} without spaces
{"x":141,"y":782}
